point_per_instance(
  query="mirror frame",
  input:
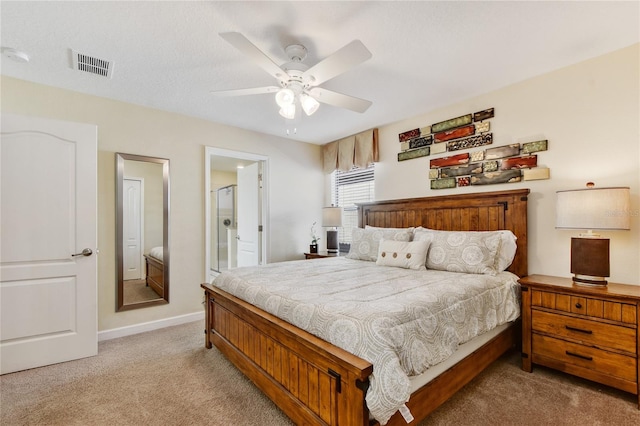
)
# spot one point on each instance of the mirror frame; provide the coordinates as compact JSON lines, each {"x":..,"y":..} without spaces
{"x":120,"y":159}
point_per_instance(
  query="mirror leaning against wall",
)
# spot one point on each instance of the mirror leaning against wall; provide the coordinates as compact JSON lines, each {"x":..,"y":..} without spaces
{"x":142,"y":231}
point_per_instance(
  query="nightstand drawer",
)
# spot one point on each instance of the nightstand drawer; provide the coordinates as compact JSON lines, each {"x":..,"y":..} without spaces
{"x":616,"y":365}
{"x":588,"y":332}
{"x":588,"y":306}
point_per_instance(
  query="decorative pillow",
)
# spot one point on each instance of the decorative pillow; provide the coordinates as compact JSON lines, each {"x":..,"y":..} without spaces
{"x":461,"y":251}
{"x":365,"y":242}
{"x":401,"y":254}
{"x":410,"y":229}
{"x":507,"y":250}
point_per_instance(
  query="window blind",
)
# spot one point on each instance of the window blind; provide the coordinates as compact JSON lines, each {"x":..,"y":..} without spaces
{"x":349,"y":188}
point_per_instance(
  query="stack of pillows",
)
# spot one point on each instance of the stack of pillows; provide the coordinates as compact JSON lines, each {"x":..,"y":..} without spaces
{"x":471,"y":252}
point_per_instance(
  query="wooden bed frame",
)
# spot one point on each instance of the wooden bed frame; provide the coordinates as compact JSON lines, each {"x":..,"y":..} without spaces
{"x":155,"y":275}
{"x":315,"y":382}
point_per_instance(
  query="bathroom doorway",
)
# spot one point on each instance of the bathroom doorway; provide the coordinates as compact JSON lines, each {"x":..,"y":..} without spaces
{"x":235,"y":210}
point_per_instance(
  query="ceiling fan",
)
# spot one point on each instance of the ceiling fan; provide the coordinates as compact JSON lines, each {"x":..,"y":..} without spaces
{"x":298,"y":83}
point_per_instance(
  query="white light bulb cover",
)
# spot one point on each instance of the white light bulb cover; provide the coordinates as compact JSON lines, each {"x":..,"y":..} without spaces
{"x":309,"y":104}
{"x":285,"y":97}
{"x":288,"y":111}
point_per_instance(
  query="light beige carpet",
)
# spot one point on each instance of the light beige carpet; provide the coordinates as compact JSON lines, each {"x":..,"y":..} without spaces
{"x":136,"y":291}
{"x":167,"y":377}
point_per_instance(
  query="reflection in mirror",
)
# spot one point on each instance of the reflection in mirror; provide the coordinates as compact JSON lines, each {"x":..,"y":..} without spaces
{"x":142,"y":231}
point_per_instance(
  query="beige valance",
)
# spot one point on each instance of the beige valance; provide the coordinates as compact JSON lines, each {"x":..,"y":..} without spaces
{"x":360,"y":150}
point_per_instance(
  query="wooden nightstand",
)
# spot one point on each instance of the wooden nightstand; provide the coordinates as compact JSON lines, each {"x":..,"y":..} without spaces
{"x":587,"y":331}
{"x":321,"y":254}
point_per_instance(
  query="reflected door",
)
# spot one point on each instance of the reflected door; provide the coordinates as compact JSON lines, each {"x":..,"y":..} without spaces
{"x":48,"y":294}
{"x":248,"y":215}
{"x":132,"y":229}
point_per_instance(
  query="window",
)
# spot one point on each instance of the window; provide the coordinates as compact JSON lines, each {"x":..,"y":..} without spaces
{"x":347,"y":189}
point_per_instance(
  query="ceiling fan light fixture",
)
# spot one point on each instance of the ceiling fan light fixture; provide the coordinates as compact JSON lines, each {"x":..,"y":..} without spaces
{"x":288,"y":111}
{"x":309,"y":104}
{"x":285,"y":97}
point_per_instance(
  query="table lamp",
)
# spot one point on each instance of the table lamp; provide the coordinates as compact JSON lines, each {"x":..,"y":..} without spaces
{"x":332,"y":218}
{"x":588,"y":209}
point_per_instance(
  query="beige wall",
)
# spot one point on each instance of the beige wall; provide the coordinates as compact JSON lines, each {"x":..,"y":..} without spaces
{"x":138,"y":130}
{"x":589,"y":112}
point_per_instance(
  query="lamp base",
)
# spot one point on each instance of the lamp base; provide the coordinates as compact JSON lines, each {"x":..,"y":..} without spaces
{"x":332,"y":241}
{"x":589,"y":280}
{"x":590,"y":261}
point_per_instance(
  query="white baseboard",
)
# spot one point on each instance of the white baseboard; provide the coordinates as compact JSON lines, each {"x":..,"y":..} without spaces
{"x":148,"y":326}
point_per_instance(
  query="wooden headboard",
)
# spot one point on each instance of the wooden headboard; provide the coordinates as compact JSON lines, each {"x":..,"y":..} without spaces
{"x":487,"y":211}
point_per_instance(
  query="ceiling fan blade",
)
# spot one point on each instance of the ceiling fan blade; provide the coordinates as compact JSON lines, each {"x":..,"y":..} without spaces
{"x":344,"y":59}
{"x":243,"y":92}
{"x":243,"y":44}
{"x":340,"y":100}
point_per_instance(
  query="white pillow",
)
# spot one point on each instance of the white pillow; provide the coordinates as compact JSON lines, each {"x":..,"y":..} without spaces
{"x":365,"y":242}
{"x":461,"y":251}
{"x":403,"y":254}
{"x":410,"y":229}
{"x":507,"y":250}
{"x":506,"y":253}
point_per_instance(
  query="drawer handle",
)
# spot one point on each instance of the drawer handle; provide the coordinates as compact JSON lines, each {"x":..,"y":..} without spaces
{"x":578,"y":305}
{"x":579,"y":330}
{"x":588,"y":358}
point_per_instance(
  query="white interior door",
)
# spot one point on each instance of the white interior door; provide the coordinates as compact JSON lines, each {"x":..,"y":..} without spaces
{"x":248,"y":215}
{"x":132,"y":215}
{"x":48,"y":207}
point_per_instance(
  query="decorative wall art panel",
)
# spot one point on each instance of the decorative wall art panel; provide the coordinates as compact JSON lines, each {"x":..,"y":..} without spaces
{"x":506,"y":176}
{"x":480,"y":170}
{"x":413,"y":153}
{"x":460,"y":132}
{"x":409,"y":135}
{"x":464,"y":181}
{"x":470,"y":142}
{"x":483,"y":115}
{"x":537,"y":146}
{"x":538,"y":173}
{"x":438,"y":148}
{"x":528,"y":162}
{"x":502,"y":151}
{"x":420,"y":142}
{"x":445,"y":133}
{"x":490,"y":166}
{"x":496,"y":165}
{"x":443,"y":183}
{"x":476,"y":156}
{"x":456,"y":171}
{"x":451,"y":123}
{"x":454,"y":160}
{"x":485,"y":126}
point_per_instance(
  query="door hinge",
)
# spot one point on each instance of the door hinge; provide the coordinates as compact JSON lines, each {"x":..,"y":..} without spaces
{"x":338,"y":380}
{"x":259,"y":228}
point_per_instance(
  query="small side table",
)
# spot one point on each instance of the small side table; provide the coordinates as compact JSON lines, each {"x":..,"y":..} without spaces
{"x":322,"y":254}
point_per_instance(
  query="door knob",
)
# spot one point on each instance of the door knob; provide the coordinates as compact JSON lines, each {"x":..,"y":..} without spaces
{"x":85,"y":252}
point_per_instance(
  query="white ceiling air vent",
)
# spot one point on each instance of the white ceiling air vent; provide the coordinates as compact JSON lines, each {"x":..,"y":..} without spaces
{"x":90,"y":64}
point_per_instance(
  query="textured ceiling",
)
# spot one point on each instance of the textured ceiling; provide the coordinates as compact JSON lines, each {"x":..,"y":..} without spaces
{"x":169,"y":56}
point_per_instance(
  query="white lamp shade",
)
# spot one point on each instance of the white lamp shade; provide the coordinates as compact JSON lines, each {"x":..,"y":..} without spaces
{"x":593,"y":208}
{"x":309,"y":104}
{"x":288,"y":111}
{"x":332,"y":216}
{"x":285,"y":97}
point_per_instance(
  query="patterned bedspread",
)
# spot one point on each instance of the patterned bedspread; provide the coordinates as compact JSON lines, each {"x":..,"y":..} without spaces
{"x":402,"y":321}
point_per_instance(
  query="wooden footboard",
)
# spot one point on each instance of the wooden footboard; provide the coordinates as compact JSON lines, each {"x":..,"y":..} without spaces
{"x":312,"y":381}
